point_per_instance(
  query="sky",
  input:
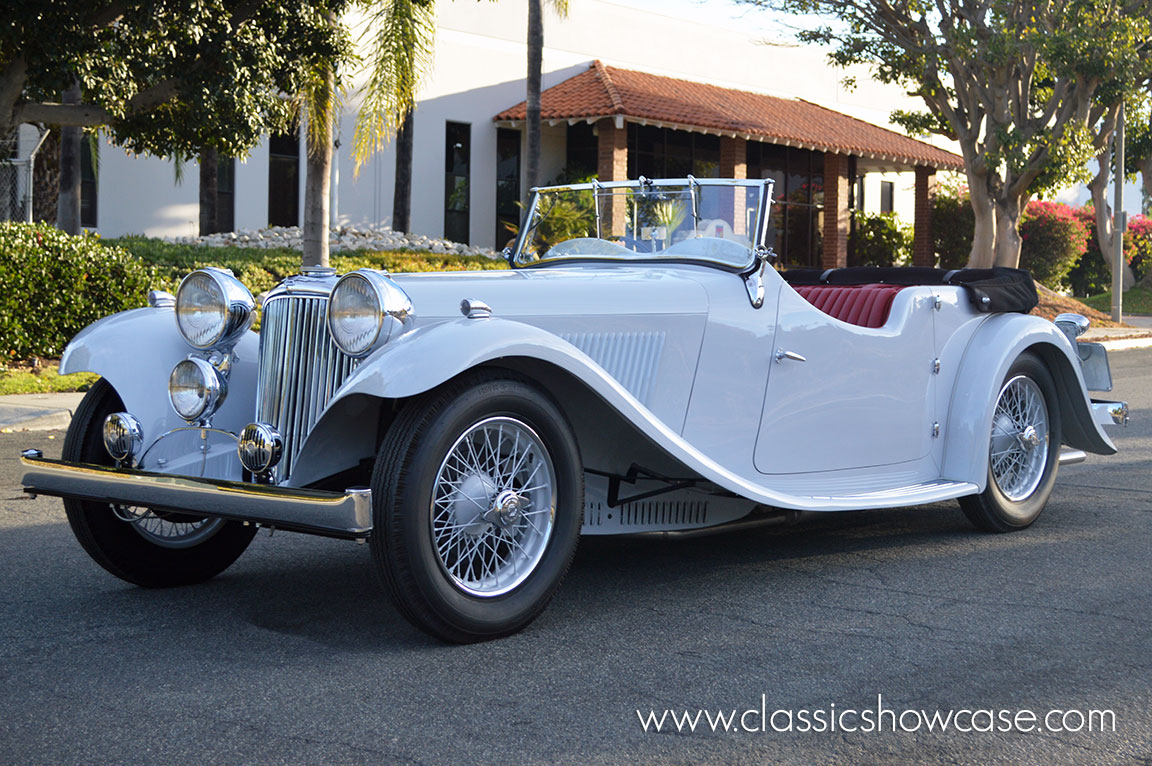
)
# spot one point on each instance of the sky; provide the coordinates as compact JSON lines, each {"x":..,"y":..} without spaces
{"x":715,"y":12}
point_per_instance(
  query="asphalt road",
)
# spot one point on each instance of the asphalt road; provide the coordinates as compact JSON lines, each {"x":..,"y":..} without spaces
{"x":294,"y":655}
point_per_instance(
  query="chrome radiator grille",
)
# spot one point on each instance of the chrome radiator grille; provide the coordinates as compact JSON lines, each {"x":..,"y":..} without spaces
{"x":300,"y":370}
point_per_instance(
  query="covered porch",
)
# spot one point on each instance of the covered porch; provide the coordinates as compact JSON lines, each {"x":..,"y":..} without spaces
{"x":621,"y":124}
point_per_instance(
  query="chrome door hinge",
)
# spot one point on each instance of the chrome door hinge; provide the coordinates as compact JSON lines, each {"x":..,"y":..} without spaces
{"x":935,"y":430}
{"x":937,"y":303}
{"x":936,"y":366}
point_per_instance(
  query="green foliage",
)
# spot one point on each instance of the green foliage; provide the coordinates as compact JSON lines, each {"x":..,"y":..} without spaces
{"x":169,"y":78}
{"x":262,"y":269}
{"x":1091,"y":276}
{"x":1054,"y":238}
{"x":953,"y":222}
{"x":880,"y":240}
{"x":55,"y":284}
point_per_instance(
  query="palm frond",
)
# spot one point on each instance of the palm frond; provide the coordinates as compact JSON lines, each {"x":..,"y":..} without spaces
{"x":559,"y":6}
{"x":402,"y":34}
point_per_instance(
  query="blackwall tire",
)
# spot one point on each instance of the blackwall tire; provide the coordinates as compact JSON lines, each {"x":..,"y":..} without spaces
{"x":190,"y":549}
{"x":478,"y":499}
{"x":1022,"y":463}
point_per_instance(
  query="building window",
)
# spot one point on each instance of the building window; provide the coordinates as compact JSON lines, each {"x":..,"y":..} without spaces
{"x":88,"y":187}
{"x":887,"y":189}
{"x":226,"y":194}
{"x":457,"y":171}
{"x":582,"y":151}
{"x":283,"y":179}
{"x":507,"y":185}
{"x":664,"y":153}
{"x":795,"y":230}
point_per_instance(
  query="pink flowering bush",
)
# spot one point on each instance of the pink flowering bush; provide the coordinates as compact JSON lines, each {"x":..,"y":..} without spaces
{"x":1053,"y":239}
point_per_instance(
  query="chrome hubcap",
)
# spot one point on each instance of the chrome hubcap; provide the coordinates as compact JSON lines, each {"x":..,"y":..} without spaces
{"x":1019,"y":444}
{"x":493,"y":507}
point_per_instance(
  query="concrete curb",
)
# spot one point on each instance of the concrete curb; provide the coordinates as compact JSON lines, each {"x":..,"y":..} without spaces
{"x":37,"y":412}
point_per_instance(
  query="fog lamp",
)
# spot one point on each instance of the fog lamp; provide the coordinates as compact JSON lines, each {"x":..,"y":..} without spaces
{"x":123,"y":435}
{"x":260,"y":447}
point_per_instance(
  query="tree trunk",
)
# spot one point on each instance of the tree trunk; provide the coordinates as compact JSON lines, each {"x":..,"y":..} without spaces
{"x":402,"y":189}
{"x":1105,"y":232}
{"x":535,"y":64}
{"x":984,"y":237}
{"x":71,"y":144}
{"x":209,"y":177}
{"x":1008,"y":239}
{"x":318,"y":185}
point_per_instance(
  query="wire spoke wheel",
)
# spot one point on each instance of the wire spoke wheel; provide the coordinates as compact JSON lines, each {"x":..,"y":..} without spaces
{"x":168,"y":530}
{"x":493,"y":506}
{"x":1019,"y":442}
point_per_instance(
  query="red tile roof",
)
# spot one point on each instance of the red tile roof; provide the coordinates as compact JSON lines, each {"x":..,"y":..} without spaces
{"x":605,"y":91}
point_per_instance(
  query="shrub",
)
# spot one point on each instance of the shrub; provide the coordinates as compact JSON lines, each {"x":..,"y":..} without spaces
{"x":53,"y":285}
{"x":880,"y":240}
{"x":953,"y":223}
{"x":1053,"y":240}
{"x":1091,"y":275}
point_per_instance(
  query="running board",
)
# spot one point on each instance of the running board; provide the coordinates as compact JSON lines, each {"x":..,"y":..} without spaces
{"x":913,"y":494}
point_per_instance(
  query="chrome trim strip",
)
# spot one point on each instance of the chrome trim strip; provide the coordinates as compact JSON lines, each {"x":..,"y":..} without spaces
{"x":1108,"y":413}
{"x":347,"y":514}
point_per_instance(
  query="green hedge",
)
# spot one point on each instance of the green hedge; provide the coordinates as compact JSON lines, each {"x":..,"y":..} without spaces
{"x":262,"y":269}
{"x":880,"y":240}
{"x":53,"y":285}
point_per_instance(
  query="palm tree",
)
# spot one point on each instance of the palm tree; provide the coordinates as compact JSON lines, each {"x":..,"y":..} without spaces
{"x":400,"y":34}
{"x":535,"y":64}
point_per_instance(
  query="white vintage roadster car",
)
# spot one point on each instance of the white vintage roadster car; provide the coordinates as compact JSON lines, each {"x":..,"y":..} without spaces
{"x":642,"y":367}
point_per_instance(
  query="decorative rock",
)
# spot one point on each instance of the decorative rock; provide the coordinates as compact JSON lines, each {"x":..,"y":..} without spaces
{"x":364,"y":237}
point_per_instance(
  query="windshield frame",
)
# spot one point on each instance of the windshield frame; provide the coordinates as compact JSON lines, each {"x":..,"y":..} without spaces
{"x":763,"y":214}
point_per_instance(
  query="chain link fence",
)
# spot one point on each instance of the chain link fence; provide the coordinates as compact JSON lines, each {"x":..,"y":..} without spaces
{"x":16,"y":190}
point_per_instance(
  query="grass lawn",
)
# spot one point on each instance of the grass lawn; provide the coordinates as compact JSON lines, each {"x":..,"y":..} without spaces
{"x":1138,"y":300}
{"x":42,"y":380}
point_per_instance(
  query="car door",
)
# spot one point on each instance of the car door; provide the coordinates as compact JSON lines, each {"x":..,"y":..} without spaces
{"x":861,"y":397}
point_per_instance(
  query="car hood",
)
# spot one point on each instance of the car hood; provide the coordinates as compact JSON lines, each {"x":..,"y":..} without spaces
{"x":554,"y":292}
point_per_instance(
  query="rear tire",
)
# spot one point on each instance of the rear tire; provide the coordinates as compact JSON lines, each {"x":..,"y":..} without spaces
{"x":1023,"y":451}
{"x":161,"y":551}
{"x":478,"y":499}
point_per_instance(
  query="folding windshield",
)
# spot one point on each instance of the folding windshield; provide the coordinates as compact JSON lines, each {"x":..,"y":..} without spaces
{"x":718,"y":221}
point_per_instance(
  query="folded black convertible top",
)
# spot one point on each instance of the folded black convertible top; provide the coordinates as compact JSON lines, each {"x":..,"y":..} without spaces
{"x":996,"y":290}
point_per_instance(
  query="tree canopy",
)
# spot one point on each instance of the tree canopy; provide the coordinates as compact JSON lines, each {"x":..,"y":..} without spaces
{"x":163,"y":78}
{"x":1025,"y":87}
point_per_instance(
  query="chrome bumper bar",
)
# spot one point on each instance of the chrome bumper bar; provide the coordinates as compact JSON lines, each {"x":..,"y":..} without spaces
{"x":334,"y":514}
{"x":1110,"y":413}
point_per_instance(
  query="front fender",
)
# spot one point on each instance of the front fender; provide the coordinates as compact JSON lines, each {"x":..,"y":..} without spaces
{"x":135,"y":352}
{"x":990,"y":353}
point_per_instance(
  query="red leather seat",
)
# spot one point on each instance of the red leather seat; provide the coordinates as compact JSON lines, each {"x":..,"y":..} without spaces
{"x":863,"y":305}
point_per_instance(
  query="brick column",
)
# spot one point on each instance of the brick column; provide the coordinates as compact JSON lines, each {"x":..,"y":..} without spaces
{"x":734,"y":164}
{"x":837,"y":216}
{"x":922,"y":251}
{"x":613,"y":166}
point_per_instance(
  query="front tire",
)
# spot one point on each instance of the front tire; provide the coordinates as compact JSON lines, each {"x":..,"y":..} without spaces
{"x":1023,"y":450}
{"x":478,"y":498}
{"x":153,"y":550}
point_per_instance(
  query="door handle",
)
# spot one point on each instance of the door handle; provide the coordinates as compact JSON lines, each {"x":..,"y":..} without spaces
{"x":781,"y":355}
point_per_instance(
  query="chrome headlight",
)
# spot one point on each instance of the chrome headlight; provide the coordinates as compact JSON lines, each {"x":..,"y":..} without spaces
{"x":365,"y":310}
{"x":197,"y":389}
{"x":213,"y":308}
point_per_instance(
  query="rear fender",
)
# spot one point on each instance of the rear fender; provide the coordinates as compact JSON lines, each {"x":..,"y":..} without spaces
{"x":990,"y":353}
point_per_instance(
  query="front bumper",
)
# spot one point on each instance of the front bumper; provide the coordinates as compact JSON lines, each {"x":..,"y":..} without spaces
{"x":346,"y":515}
